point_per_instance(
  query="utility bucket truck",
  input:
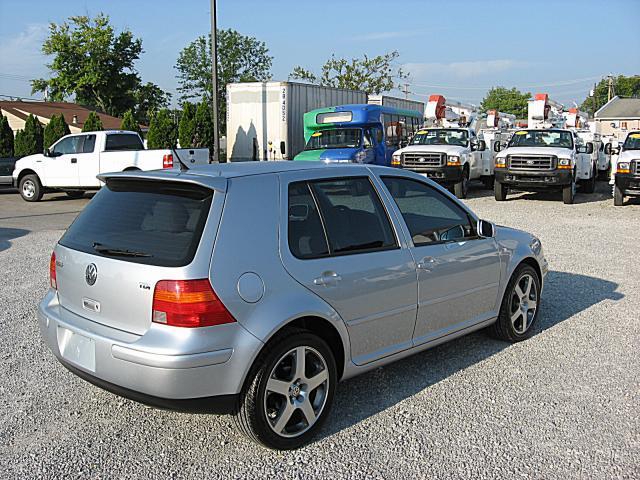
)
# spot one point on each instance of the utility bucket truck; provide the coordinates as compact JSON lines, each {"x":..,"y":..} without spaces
{"x":447,"y":150}
{"x":627,"y":170}
{"x":545,"y":156}
{"x":579,"y":122}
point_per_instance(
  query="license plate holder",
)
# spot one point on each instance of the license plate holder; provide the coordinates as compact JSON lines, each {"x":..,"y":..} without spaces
{"x":77,"y":348}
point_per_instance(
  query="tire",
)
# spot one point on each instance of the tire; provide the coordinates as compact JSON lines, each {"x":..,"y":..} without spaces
{"x":488,"y":182}
{"x":590,"y":185}
{"x":569,"y":193}
{"x":30,"y":188}
{"x":511,"y":325}
{"x":75,"y":193}
{"x":461,"y":189}
{"x":500,"y":191}
{"x":618,"y":196}
{"x":261,"y":412}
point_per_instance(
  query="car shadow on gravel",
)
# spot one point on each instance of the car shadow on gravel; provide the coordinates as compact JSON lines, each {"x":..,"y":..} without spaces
{"x":565,"y":294}
{"x":602,"y":192}
{"x":8,"y":234}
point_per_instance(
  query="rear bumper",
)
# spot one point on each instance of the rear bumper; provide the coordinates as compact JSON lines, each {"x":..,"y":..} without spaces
{"x":445,"y":175}
{"x":147,"y":368}
{"x":628,"y":183}
{"x":534,"y":179}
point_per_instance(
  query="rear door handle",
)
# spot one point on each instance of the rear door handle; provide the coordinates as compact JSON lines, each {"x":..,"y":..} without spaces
{"x":327,"y":279}
{"x":74,"y":160}
{"x":426,"y":263}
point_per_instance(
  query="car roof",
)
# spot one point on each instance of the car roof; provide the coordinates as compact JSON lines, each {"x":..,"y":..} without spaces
{"x":242,"y":169}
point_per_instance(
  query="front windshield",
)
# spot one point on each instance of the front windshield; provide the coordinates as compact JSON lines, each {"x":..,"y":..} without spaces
{"x":632,"y":142}
{"x":541,"y":138}
{"x":335,"y":138}
{"x":441,"y":136}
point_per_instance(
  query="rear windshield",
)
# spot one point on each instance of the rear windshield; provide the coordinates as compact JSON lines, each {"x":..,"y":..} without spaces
{"x":123,"y":141}
{"x":142,"y":222}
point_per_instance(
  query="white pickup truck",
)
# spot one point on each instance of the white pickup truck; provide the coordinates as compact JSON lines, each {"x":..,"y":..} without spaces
{"x":72,"y":163}
{"x":545,"y":159}
{"x":449,"y":156}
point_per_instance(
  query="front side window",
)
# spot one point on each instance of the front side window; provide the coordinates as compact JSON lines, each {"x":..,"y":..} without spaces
{"x":441,"y":136}
{"x":69,"y":145}
{"x":89,"y":144}
{"x":335,"y":138}
{"x":541,"y":138}
{"x":430,"y":216}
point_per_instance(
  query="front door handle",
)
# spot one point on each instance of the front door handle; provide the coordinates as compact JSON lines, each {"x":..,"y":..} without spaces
{"x":327,"y":279}
{"x":74,"y":160}
{"x":426,"y":263}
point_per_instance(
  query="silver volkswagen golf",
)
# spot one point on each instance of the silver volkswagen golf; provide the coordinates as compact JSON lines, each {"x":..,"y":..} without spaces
{"x":253,"y":289}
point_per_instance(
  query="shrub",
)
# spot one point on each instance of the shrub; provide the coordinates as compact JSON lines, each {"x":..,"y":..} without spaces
{"x":93,"y":123}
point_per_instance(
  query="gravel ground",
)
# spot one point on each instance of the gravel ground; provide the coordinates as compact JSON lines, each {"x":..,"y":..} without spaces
{"x":564,"y":404}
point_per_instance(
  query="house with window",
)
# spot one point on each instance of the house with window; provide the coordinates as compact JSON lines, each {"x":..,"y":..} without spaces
{"x":75,"y":115}
{"x":618,"y":116}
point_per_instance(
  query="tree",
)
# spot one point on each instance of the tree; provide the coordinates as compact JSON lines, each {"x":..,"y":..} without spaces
{"x":6,"y":138}
{"x":186,"y":128}
{"x":30,"y":140}
{"x":203,"y":128}
{"x":92,"y":123}
{"x":149,"y":98}
{"x":162,"y":130}
{"x":373,"y":75}
{"x":506,"y":100}
{"x":91,"y":62}
{"x":623,"y":86}
{"x":129,"y":123}
{"x":55,"y":129}
{"x":240,"y":59}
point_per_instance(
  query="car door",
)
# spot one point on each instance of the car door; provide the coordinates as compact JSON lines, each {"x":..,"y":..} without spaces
{"x":339,"y":242}
{"x":61,"y":166}
{"x":88,"y":162}
{"x":458,"y":271}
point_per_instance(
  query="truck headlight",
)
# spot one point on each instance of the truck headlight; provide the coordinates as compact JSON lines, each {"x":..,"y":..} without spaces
{"x":360,"y":156}
{"x":501,"y":162}
{"x":564,"y":163}
{"x":396,"y":160}
{"x":623,"y":167}
{"x":453,"y":161}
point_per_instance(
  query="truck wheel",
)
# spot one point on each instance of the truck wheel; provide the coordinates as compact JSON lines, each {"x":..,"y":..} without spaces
{"x":569,"y":193}
{"x":461,"y":189}
{"x":288,"y":392}
{"x":500,"y":191}
{"x":520,"y":306}
{"x":30,"y":188}
{"x":75,"y":193}
{"x":590,"y":185}
{"x":618,"y":196}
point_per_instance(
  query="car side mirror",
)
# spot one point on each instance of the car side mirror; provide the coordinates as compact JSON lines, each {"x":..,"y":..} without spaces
{"x":497,"y":147}
{"x":486,"y":229}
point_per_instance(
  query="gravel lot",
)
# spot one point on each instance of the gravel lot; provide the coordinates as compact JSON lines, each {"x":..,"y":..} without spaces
{"x":564,"y":404}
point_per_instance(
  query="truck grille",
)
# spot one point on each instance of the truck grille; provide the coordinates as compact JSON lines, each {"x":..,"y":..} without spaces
{"x":530,"y":162}
{"x":417,"y":160}
{"x":636,"y":167}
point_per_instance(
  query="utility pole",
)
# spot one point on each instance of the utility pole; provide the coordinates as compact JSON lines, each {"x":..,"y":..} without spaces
{"x":594,"y":98}
{"x":214,"y":78}
{"x":610,"y":93}
{"x":406,"y":91}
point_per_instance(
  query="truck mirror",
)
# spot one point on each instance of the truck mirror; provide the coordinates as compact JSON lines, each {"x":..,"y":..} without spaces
{"x":608,"y":150}
{"x":497,"y":147}
{"x":283,"y":148}
{"x":482,"y":146}
{"x":589,"y":147}
{"x":47,"y":152}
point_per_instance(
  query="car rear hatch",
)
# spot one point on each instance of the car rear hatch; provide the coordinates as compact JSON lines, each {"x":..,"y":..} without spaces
{"x":137,"y":230}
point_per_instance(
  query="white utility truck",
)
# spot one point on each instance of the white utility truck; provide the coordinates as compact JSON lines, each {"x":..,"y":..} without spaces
{"x":447,"y":150}
{"x":626,"y":174}
{"x":265,"y":120}
{"x":72,"y":163}
{"x":579,"y":123}
{"x":545,"y":156}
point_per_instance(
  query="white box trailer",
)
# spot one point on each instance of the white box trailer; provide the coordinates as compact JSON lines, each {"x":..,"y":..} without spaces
{"x":395,"y":102}
{"x":265,"y":119}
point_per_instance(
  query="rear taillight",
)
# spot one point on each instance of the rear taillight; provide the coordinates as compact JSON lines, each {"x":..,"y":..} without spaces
{"x":167,"y":161}
{"x":188,"y":303}
{"x":53,"y":281}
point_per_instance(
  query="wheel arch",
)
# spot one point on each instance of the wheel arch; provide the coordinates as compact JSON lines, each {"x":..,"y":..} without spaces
{"x":27,"y":171}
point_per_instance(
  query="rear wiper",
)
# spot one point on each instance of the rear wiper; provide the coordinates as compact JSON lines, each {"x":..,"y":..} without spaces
{"x":121,"y":252}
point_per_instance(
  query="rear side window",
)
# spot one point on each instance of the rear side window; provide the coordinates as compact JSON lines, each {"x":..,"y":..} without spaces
{"x":345,"y":215}
{"x":142,"y":222}
{"x":429,"y":215}
{"x":123,"y":141}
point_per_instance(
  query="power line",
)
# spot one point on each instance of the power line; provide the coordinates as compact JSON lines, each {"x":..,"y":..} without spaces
{"x":544,"y":85}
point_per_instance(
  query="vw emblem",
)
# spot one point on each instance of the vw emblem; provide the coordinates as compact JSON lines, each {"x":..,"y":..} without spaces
{"x":91,"y":274}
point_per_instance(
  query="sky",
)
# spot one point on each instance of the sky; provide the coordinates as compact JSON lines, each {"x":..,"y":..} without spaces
{"x":458,"y":48}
